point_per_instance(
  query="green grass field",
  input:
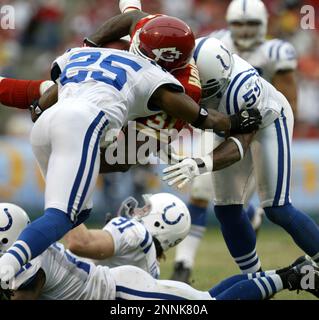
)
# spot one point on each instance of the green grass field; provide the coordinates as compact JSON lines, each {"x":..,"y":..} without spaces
{"x":214,"y":263}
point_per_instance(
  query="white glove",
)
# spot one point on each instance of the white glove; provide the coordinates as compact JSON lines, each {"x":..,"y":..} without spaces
{"x":186,"y":170}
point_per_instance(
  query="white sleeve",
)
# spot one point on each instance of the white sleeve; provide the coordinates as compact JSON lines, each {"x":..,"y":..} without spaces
{"x":128,"y":236}
{"x":283,"y":55}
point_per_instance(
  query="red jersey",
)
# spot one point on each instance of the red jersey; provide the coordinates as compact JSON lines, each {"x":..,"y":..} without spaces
{"x":187,"y":76}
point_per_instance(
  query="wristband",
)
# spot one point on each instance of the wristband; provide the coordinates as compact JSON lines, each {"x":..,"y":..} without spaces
{"x":205,"y":164}
{"x":239,"y":146}
{"x":202,"y":115}
{"x":126,"y":5}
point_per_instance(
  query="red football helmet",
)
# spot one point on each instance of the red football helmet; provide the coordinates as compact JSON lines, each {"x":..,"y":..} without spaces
{"x":167,"y":40}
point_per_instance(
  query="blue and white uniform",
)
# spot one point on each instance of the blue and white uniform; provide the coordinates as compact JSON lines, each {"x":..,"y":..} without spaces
{"x":133,"y":245}
{"x":268,"y":158}
{"x":69,"y":278}
{"x":99,"y":89}
{"x":267,"y":58}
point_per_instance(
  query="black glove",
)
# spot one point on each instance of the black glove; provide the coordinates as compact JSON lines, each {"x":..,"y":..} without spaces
{"x":245,"y":121}
{"x":35,"y":110}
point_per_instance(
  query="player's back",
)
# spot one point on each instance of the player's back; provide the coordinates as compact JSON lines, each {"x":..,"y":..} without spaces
{"x":114,"y":81}
{"x":67,"y":277}
{"x":268,"y":57}
{"x":133,"y":245}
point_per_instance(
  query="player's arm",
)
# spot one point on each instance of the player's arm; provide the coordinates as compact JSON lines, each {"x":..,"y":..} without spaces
{"x":180,"y":106}
{"x":21,"y":93}
{"x":115,"y":28}
{"x":33,"y":290}
{"x":233,"y":149}
{"x":285,"y":82}
{"x":94,"y":244}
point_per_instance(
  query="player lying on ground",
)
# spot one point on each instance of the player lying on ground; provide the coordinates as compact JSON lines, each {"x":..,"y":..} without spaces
{"x":58,"y":275}
{"x":66,"y":137}
{"x":137,"y":236}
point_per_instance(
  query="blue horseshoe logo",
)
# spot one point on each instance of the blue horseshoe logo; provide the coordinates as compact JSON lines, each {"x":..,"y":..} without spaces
{"x":226,"y":67}
{"x":8,"y":226}
{"x":164,"y":215}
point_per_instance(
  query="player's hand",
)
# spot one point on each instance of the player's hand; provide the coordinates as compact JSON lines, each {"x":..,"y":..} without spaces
{"x":245,"y":121}
{"x":183,"y":172}
{"x":35,"y":110}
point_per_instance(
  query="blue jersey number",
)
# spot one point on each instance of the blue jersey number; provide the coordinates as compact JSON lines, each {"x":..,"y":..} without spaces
{"x":106,"y":64}
{"x":251,"y":96}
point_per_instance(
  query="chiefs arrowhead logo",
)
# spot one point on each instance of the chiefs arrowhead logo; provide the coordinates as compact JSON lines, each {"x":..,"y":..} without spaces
{"x":167,"y":54}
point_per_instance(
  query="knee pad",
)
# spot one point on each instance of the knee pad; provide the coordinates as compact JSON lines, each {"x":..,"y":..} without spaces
{"x":202,"y":187}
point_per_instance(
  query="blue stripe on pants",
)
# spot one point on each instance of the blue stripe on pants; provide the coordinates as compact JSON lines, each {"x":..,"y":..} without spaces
{"x":288,"y":159}
{"x":280,"y":172}
{"x":83,"y":161}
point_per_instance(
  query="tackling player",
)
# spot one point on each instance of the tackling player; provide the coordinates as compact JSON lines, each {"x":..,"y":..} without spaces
{"x":275,"y":60}
{"x":99,"y":89}
{"x":230,"y":84}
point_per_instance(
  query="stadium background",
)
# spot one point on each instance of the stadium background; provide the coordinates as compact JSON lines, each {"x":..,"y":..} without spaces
{"x":45,"y":28}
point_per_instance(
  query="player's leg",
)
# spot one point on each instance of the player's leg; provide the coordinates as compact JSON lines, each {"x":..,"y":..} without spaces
{"x":230,"y":189}
{"x":272,"y":161}
{"x":201,"y":196}
{"x":255,"y":214}
{"x":133,"y":283}
{"x":21,"y":93}
{"x":73,"y":136}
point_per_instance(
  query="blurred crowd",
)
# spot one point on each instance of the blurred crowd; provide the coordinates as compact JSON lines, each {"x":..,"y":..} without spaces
{"x":45,"y":28}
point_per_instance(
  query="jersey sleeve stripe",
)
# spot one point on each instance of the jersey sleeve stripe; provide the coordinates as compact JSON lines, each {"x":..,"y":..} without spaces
{"x":144,"y":242}
{"x":236,"y":106}
{"x":232,"y":84}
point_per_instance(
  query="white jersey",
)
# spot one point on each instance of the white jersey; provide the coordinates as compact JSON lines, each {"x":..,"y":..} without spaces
{"x":268,"y":58}
{"x":67,"y":277}
{"x":117,"y":82}
{"x":133,"y":245}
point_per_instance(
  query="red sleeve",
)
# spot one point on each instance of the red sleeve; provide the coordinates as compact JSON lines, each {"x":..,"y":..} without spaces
{"x":189,"y":78}
{"x":19,"y":93}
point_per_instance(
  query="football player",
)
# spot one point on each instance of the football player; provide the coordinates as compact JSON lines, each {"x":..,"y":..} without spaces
{"x":275,"y":60}
{"x":136,"y":236}
{"x":230,"y":84}
{"x":97,"y":90}
{"x":57,"y":274}
{"x":156,"y":37}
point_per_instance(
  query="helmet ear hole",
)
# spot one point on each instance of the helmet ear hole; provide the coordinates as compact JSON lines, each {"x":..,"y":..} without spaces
{"x":157,"y":224}
{"x":4,"y":241}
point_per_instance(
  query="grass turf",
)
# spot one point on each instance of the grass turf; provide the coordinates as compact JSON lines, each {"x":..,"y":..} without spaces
{"x":213,"y":262}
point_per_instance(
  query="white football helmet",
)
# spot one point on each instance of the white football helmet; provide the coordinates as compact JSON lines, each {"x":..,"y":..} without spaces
{"x":215,"y":63}
{"x":13,"y":220}
{"x":164,"y":215}
{"x":247,"y":21}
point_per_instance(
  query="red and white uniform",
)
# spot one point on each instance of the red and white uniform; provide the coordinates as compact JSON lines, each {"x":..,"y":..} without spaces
{"x":187,"y":76}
